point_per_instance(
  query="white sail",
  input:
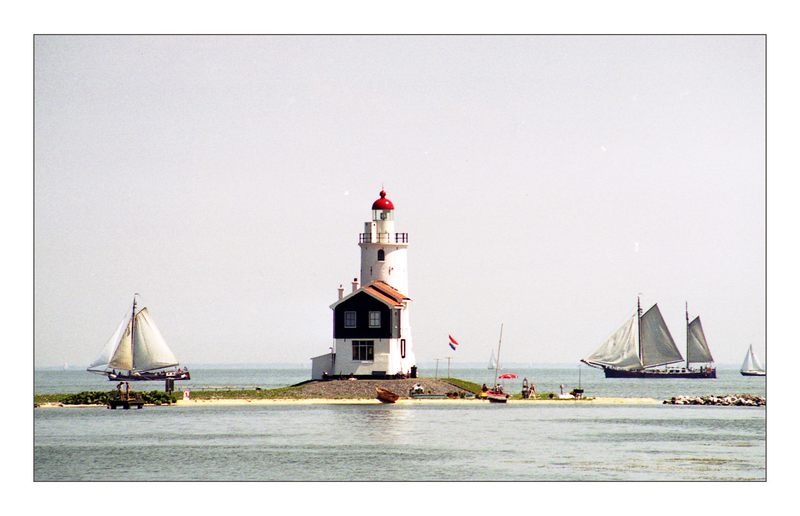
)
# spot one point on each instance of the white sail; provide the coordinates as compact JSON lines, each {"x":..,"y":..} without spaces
{"x":101,"y":362}
{"x":492,"y":361}
{"x":658,"y":347}
{"x":150,"y":350}
{"x":123,"y":355}
{"x":620,"y":350}
{"x":696,"y":344}
{"x":751,"y":362}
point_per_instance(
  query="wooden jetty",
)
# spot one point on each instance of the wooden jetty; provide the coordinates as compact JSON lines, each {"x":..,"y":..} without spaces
{"x":125,"y":404}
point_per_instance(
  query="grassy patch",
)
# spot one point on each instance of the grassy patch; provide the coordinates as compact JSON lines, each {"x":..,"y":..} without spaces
{"x":464,"y":384}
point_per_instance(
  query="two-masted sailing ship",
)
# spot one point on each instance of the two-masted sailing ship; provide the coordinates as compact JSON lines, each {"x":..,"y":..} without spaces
{"x":138,"y":352}
{"x":643,"y":346}
{"x":751,"y":366}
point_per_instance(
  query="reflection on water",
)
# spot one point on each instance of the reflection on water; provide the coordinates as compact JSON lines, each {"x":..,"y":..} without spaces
{"x":473,"y":441}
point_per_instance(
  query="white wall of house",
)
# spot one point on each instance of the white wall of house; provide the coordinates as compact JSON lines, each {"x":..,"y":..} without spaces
{"x":321,"y":364}
{"x":382,"y":360}
{"x":405,"y":333}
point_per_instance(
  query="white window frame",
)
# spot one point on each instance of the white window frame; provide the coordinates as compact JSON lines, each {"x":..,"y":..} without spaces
{"x":347,"y":323}
{"x":372,"y":315}
{"x":361,"y":351}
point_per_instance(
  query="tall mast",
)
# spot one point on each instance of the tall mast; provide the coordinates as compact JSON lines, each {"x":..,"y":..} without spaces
{"x":497,"y":362}
{"x":687,"y":334}
{"x":639,"y":327}
{"x":133,"y":331}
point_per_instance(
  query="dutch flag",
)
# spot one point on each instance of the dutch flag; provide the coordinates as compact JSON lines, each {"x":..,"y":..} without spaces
{"x":453,"y":343}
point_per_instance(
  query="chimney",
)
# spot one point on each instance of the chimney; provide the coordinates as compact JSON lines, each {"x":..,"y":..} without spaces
{"x":341,"y":292}
{"x":355,"y":284}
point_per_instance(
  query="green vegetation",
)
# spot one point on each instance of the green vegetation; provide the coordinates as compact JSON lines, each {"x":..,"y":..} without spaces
{"x":103,"y":397}
{"x":474,"y":388}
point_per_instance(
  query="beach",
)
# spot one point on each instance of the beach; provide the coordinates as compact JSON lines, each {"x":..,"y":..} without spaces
{"x":367,"y":401}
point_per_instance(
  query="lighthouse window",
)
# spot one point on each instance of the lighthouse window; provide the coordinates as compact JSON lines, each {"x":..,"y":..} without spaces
{"x":350,"y":319}
{"x":374,"y":319}
{"x":363,"y":350}
{"x":381,"y":255}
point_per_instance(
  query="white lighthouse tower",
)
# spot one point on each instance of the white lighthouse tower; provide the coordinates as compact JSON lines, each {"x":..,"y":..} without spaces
{"x":383,"y":251}
{"x":372,"y":325}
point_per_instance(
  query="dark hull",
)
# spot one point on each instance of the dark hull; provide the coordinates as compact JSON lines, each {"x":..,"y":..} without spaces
{"x":753,"y":373}
{"x":496,"y":397}
{"x":655,"y":373}
{"x":149,"y":376}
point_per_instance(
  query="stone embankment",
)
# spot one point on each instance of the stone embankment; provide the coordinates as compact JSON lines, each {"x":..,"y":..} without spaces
{"x":734,"y":400}
{"x":356,"y":389}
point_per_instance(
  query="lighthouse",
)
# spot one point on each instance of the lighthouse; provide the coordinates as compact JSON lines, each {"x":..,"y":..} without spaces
{"x":383,"y":250}
{"x":372,"y":324}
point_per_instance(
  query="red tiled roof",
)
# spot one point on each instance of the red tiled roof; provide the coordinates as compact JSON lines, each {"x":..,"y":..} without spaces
{"x":387,"y":291}
{"x":381,"y":291}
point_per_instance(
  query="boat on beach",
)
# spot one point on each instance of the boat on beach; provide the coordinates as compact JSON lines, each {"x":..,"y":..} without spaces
{"x":496,"y":394}
{"x":751,"y":365}
{"x":138,"y":352}
{"x":385,"y":395}
{"x":643,"y":345}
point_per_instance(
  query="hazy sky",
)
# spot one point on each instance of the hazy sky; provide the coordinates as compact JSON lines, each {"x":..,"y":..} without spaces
{"x":544,"y":182}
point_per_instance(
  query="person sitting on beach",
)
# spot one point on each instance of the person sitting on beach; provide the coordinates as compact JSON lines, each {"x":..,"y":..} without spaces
{"x":484,"y":388}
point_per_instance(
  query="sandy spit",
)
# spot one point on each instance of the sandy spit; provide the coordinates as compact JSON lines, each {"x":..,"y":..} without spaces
{"x":365,"y":401}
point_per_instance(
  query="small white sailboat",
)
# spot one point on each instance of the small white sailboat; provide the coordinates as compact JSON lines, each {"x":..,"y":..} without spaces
{"x":492,"y":361}
{"x":751,"y":366}
{"x":137,"y":351}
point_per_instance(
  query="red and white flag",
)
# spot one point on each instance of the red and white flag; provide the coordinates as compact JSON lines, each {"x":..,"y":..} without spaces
{"x":453,"y":342}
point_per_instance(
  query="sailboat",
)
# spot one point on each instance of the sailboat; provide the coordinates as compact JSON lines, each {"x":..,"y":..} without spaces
{"x":697,"y":350}
{"x":751,"y":366}
{"x":492,"y":361}
{"x":137,"y":352}
{"x":496,"y":394}
{"x":643,"y":344}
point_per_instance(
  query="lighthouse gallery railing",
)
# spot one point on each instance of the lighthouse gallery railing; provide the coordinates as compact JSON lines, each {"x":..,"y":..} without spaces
{"x":383,"y":238}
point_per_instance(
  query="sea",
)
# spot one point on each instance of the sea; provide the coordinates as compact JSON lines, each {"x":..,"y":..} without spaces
{"x":470,"y":441}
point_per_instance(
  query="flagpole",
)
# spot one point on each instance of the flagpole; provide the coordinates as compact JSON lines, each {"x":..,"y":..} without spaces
{"x":448,"y":367}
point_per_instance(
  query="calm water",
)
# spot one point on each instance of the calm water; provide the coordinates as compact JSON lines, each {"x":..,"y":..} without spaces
{"x":473,"y":441}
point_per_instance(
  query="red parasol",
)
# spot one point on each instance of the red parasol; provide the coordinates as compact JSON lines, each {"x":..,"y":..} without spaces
{"x":507,"y":376}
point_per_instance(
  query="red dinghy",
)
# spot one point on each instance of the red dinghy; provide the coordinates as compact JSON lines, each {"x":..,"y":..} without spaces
{"x":385,"y":395}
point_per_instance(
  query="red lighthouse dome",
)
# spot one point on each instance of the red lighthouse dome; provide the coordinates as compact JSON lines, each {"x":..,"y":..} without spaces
{"x":383,"y":203}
